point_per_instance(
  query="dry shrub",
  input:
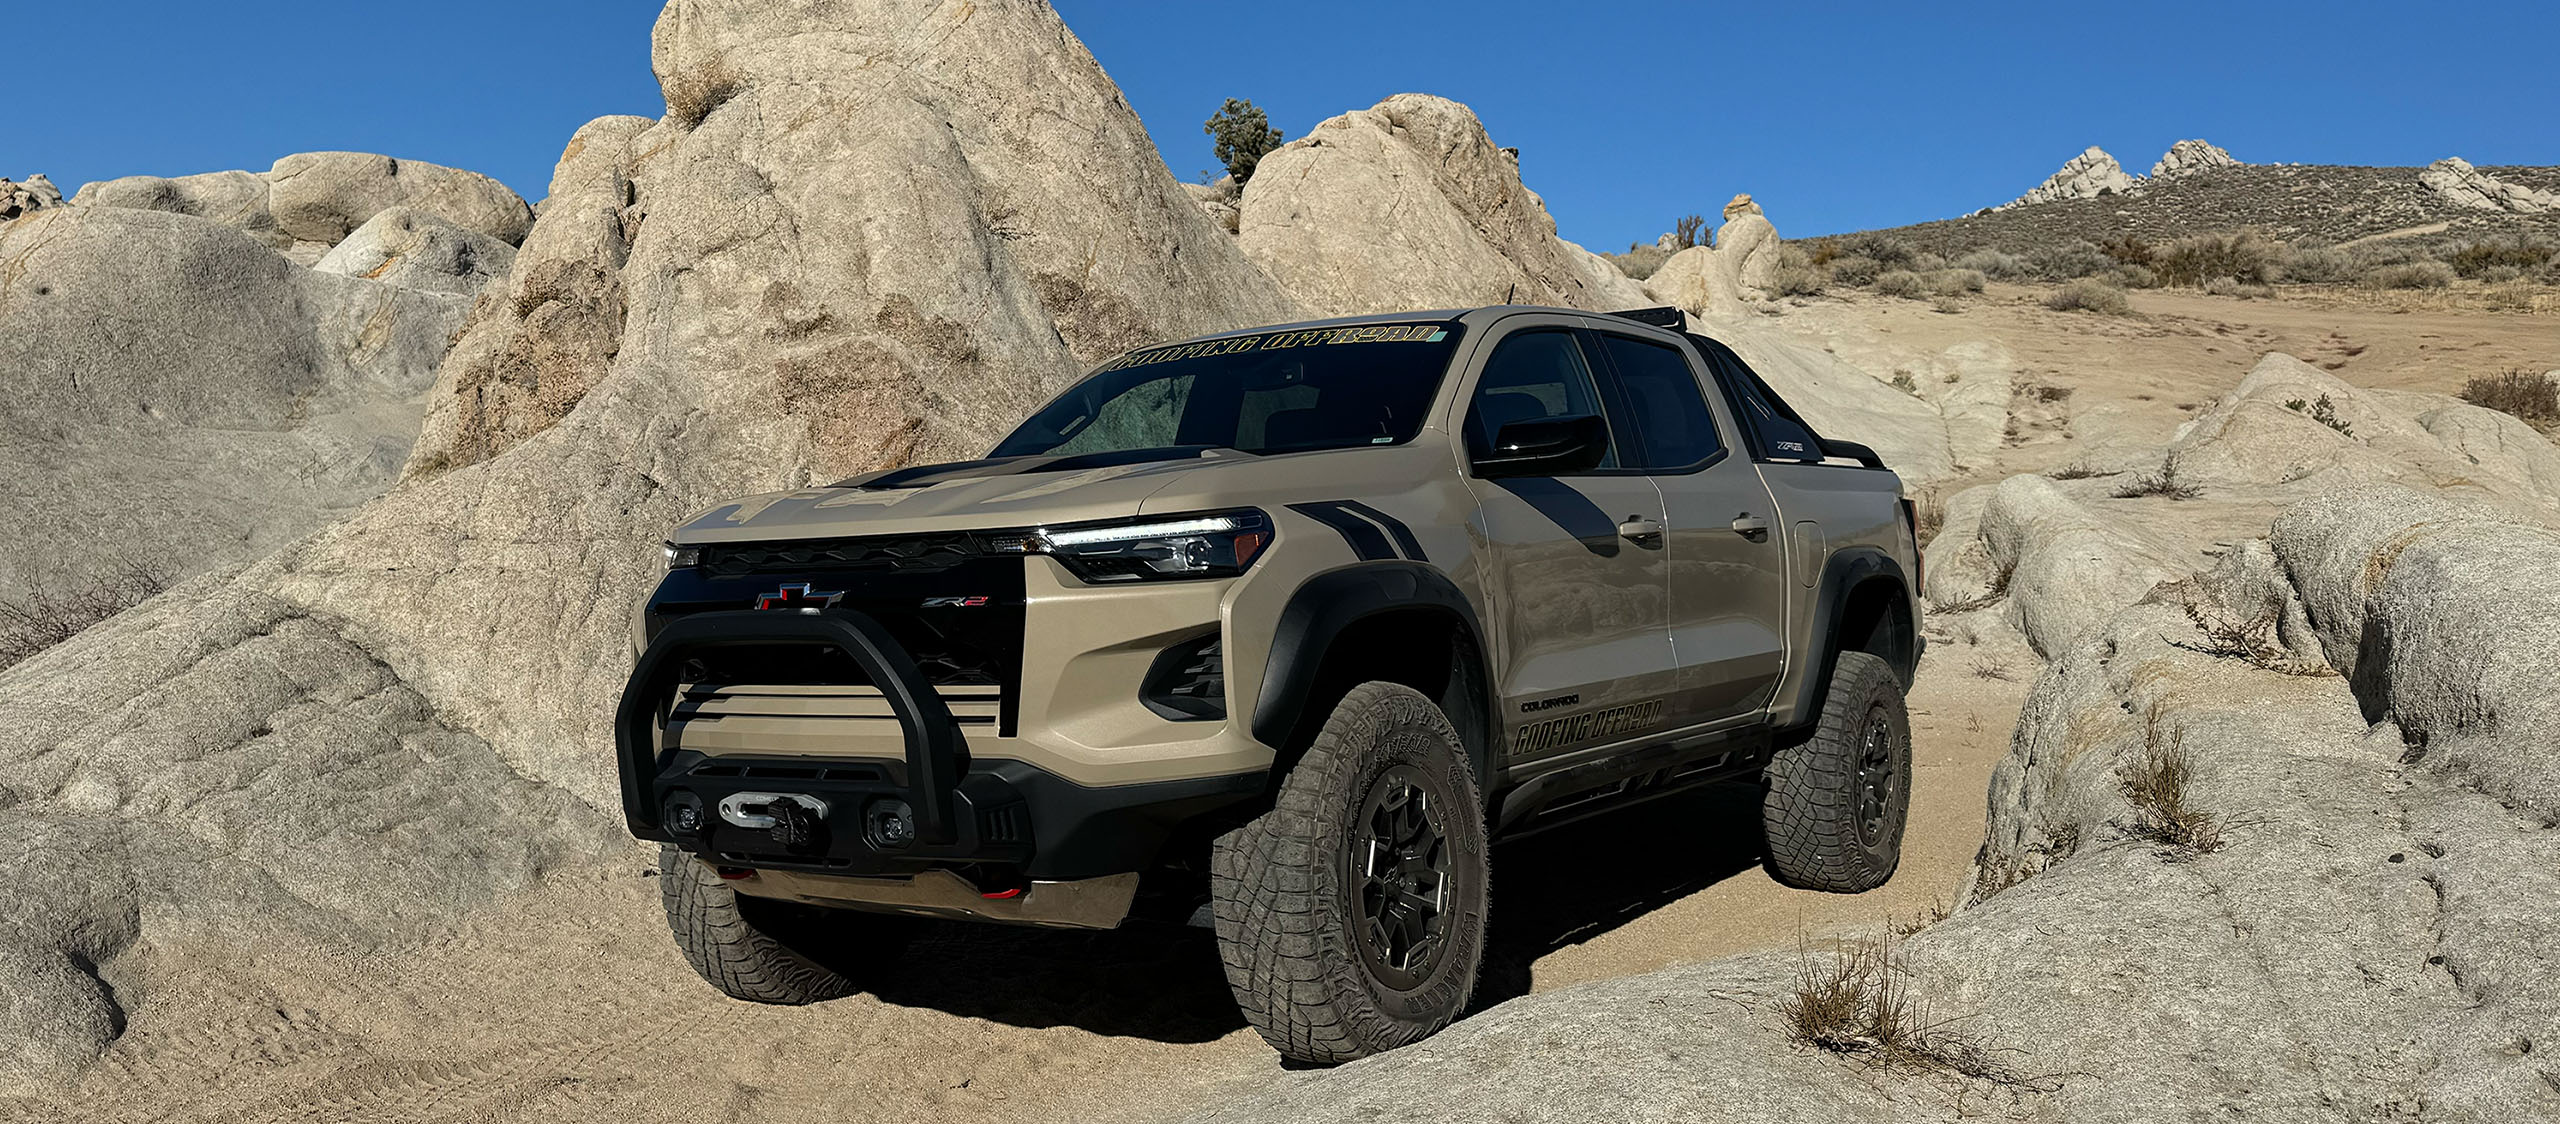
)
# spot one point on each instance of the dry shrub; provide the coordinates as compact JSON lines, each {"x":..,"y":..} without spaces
{"x":694,"y":92}
{"x":2078,"y":470}
{"x":2226,"y":287}
{"x":2246,"y":256}
{"x":1689,"y":231}
{"x":1855,"y":269}
{"x":1889,"y":252}
{"x":2134,"y":277}
{"x":1796,"y":275}
{"x":2408,"y":275}
{"x":2316,"y":263}
{"x":2156,"y":783}
{"x":2089,"y":295}
{"x":1859,"y":1003}
{"x":1992,"y":669}
{"x":1640,"y":261}
{"x":2078,"y":257}
{"x":42,"y":618}
{"x":1902,"y":283}
{"x":2251,"y":640}
{"x":2531,"y":397}
{"x":2162,"y":483}
{"x":2322,"y":410}
{"x":1997,"y":264}
{"x":2481,"y":259}
{"x":2128,"y":249}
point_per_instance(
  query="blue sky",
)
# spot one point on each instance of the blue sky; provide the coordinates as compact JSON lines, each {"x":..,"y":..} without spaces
{"x":1835,"y":116}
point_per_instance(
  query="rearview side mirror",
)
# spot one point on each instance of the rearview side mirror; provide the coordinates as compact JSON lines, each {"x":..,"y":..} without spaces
{"x":1546,"y":447}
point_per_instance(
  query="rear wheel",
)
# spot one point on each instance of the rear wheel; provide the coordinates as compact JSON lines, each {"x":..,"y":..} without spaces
{"x":770,"y":951}
{"x":1833,"y":814}
{"x":1351,"y":917}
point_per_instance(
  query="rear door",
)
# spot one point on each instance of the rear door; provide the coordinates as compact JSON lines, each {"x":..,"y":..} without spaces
{"x":1727,"y":597}
{"x":1575,"y":575}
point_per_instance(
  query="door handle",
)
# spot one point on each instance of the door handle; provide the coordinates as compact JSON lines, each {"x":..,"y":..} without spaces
{"x":1641,"y":531}
{"x":1751,"y":527}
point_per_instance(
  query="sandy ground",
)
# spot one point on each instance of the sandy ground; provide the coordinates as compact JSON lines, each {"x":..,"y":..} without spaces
{"x":568,"y":1003}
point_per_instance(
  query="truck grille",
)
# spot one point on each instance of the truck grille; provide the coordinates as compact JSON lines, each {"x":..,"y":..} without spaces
{"x":910,"y":553}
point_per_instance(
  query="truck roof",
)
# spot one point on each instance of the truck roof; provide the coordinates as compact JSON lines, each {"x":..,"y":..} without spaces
{"x":1670,"y":319}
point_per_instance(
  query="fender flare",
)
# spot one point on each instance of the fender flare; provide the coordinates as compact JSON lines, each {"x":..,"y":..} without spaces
{"x":1333,"y":601}
{"x":1842,"y":575}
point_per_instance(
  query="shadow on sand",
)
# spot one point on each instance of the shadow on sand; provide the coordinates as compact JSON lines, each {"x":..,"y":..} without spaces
{"x":1554,"y":889}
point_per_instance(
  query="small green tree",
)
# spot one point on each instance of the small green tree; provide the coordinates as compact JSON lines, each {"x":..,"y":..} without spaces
{"x":1244,"y":136}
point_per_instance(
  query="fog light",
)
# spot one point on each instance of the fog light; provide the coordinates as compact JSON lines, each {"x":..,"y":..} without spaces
{"x":889,"y":825}
{"x":684,"y":814}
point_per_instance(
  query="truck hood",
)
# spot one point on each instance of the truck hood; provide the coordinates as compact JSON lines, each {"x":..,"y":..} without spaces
{"x":965,"y":496}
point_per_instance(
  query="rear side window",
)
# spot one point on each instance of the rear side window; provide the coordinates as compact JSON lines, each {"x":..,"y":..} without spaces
{"x":1670,"y":411}
{"x":1769,"y":424}
{"x":1533,"y":375}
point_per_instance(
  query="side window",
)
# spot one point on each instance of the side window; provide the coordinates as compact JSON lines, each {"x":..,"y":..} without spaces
{"x":1775,"y":432}
{"x":1670,"y":411}
{"x":1532,"y":375}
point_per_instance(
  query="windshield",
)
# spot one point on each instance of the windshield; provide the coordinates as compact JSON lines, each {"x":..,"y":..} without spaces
{"x":1272,"y":392}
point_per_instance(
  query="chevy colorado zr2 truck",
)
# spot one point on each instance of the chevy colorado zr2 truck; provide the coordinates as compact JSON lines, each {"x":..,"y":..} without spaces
{"x":1282,"y":627}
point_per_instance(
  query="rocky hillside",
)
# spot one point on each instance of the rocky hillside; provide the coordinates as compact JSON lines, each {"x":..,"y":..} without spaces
{"x":198,"y":371}
{"x":2290,"y":201}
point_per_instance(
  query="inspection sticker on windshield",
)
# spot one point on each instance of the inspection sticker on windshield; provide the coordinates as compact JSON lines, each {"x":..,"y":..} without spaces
{"x":1275,"y":341}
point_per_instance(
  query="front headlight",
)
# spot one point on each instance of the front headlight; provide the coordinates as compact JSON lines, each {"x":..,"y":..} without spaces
{"x":683,"y":557}
{"x":1213,"y":545}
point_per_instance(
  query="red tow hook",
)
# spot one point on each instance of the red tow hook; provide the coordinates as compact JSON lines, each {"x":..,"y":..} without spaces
{"x":1000,"y":895}
{"x":734,"y":873}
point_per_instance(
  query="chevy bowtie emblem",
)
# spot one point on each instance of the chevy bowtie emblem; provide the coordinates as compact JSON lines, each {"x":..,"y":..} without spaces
{"x":797,"y":597}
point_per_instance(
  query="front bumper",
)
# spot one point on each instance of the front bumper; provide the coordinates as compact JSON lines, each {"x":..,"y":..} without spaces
{"x":1000,"y":822}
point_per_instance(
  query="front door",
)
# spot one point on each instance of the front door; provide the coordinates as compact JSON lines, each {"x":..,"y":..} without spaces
{"x":1574,"y":571}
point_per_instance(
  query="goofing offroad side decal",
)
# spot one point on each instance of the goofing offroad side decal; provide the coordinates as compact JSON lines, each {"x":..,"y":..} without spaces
{"x":1587,"y":725}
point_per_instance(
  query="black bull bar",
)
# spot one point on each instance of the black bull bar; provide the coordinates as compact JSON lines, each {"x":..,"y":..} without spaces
{"x":937,"y":757}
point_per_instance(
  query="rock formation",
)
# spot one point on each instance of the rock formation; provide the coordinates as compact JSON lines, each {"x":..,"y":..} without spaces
{"x":310,"y":201}
{"x":414,"y":249}
{"x":299,"y":743}
{"x":1219,"y":201}
{"x":23,"y":198}
{"x":2457,"y":182}
{"x":1722,"y":277}
{"x":2091,"y":174}
{"x":1409,"y":204}
{"x":2188,"y":157}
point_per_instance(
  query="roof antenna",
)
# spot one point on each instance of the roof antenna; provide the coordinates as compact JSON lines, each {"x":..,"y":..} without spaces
{"x":1511,"y":292}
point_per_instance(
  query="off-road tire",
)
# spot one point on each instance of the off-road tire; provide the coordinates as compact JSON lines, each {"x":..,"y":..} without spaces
{"x":764,"y":950}
{"x":1287,"y":888}
{"x":1823,"y":825}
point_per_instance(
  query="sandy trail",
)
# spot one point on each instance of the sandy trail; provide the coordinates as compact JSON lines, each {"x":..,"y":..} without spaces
{"x":568,"y":1003}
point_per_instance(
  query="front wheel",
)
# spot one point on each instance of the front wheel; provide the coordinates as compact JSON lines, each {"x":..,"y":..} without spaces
{"x":768,"y":951}
{"x":1833,"y":813}
{"x":1351,"y":916}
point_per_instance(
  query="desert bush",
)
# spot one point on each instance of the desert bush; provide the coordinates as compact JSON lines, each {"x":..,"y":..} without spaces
{"x":1999,"y":265}
{"x":2088,"y":295}
{"x":1926,"y":262}
{"x":1855,"y":269}
{"x":1691,"y":230}
{"x":2527,"y":396}
{"x":2408,"y":275}
{"x":2076,"y":258}
{"x":1954,"y":282}
{"x":2133,"y":277}
{"x":1244,"y":136}
{"x":2323,"y":411}
{"x":43,"y":617}
{"x":2387,"y":251}
{"x":2128,"y":249}
{"x":2078,"y":470}
{"x":1796,"y":275}
{"x":2226,"y":287}
{"x":2315,"y":263}
{"x":2497,"y":274}
{"x":2479,"y":258}
{"x":1640,"y":261}
{"x":2156,"y":783}
{"x":693,"y":93}
{"x":2251,"y":640}
{"x":2163,"y":483}
{"x":2193,"y":260}
{"x":1902,"y":283}
{"x":1888,"y":252}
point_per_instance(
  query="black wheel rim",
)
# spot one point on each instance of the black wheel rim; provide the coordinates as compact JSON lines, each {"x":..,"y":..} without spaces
{"x":1876,"y":778}
{"x":1400,"y":875}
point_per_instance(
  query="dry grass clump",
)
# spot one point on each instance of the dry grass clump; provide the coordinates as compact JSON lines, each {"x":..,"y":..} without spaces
{"x":2500,"y":261}
{"x":2251,"y":641}
{"x":2408,"y":275}
{"x":2531,"y":397}
{"x":1796,"y":275}
{"x":1996,"y":264}
{"x":2163,"y":483}
{"x":2245,"y":290}
{"x":42,"y":618}
{"x":1640,"y":261}
{"x":2156,"y":783}
{"x":2089,"y":295}
{"x":694,"y":92}
{"x":2245,"y":256}
{"x":1992,"y":669}
{"x":1859,"y":1003}
{"x":2079,"y":470}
